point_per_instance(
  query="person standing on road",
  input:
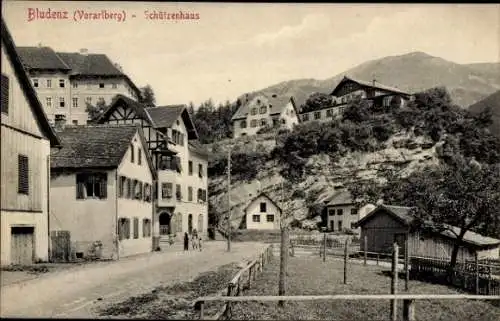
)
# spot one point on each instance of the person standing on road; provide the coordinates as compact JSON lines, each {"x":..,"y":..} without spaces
{"x":186,"y":241}
{"x":199,"y":242}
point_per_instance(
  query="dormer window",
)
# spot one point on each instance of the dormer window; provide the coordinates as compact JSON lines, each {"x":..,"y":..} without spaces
{"x":254,"y":111}
{"x":35,"y":83}
{"x":61,"y":83}
{"x":263,"y":109}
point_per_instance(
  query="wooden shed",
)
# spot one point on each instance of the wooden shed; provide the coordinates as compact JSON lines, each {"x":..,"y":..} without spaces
{"x":387,"y":224}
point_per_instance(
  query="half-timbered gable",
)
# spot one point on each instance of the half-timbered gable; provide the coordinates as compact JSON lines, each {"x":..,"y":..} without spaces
{"x":26,"y":140}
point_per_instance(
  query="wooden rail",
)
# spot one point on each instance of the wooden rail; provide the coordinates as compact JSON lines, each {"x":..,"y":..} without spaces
{"x":240,"y":282}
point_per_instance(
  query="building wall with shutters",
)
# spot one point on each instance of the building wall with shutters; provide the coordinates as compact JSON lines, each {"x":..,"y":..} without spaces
{"x":21,"y":135}
{"x":131,"y":208}
{"x":88,"y":220}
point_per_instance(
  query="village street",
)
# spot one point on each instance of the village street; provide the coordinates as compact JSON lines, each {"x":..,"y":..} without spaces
{"x":77,"y":292}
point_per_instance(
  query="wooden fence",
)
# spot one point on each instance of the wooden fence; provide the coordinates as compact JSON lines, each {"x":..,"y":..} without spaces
{"x":240,"y":282}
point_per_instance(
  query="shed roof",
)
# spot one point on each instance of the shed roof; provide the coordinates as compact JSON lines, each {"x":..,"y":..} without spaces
{"x":369,"y":84}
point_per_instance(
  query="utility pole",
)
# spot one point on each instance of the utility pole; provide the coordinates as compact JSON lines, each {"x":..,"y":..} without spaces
{"x":229,"y":199}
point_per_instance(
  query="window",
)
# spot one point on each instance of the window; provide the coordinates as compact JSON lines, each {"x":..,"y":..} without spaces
{"x":129,"y":188}
{"x":89,"y":100}
{"x":263,"y":109}
{"x":199,"y":195}
{"x":178,"y":192}
{"x":5,"y":94}
{"x":179,"y":222}
{"x":270,"y":218}
{"x":331,"y":212}
{"x":339,"y":225}
{"x":136,"y":228}
{"x":100,"y":100}
{"x":305,"y":117}
{"x":147,"y":192}
{"x":263,"y":122}
{"x":75,"y":122}
{"x":243,"y":124}
{"x":48,"y":102}
{"x":122,"y":185}
{"x":354,"y":211}
{"x":75,"y":85}
{"x":23,"y":174}
{"x":75,"y":102}
{"x":276,"y":122}
{"x":146,"y":227}
{"x":166,"y":163}
{"x":353,"y":225}
{"x":253,"y":111}
{"x":131,"y":153}
{"x":283,"y":121}
{"x":61,"y":101}
{"x":139,"y":156}
{"x":166,"y":190}
{"x":61,"y":83}
{"x":114,"y":86}
{"x":101,"y":85}
{"x":253,"y":123}
{"x":35,"y":83}
{"x":256,"y":218}
{"x":317,"y":115}
{"x":123,"y":228}
{"x":200,"y":170}
{"x":329,"y":113}
{"x":263,"y":207}
{"x":91,"y":185}
{"x":190,"y":194}
{"x":49,"y":83}
{"x":137,"y":188}
{"x":190,"y":167}
{"x":340,"y":211}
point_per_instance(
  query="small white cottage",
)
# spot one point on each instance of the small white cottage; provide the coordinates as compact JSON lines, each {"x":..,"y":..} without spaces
{"x":262,"y":213}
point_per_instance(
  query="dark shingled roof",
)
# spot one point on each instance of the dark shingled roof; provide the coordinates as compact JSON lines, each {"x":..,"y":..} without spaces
{"x":92,"y":146}
{"x":27,"y":87}
{"x":165,"y":116}
{"x":41,"y":58}
{"x":403,"y":214}
{"x":91,"y":64}
{"x":369,"y":84}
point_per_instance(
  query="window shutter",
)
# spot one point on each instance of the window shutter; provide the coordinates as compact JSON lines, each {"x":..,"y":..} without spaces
{"x":79,"y":190}
{"x":23,"y":174}
{"x":5,"y":94}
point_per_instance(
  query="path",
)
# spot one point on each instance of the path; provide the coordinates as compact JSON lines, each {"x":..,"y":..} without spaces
{"x":77,"y":292}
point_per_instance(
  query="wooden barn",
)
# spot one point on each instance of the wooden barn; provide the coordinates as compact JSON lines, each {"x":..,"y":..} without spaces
{"x":387,"y":224}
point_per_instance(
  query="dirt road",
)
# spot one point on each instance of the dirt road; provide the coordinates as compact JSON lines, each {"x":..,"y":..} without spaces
{"x":78,"y":292}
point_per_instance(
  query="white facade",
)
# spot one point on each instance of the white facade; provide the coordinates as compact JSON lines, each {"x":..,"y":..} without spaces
{"x":262,"y":214}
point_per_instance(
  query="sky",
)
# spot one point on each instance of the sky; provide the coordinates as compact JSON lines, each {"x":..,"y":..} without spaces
{"x":235,"y":48}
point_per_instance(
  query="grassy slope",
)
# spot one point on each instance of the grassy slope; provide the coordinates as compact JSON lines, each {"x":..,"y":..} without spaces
{"x":310,"y":276}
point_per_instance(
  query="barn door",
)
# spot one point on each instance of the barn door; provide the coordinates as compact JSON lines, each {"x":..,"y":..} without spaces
{"x":22,"y":241}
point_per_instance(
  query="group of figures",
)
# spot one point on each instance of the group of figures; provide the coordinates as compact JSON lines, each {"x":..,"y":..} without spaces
{"x":194,"y":239}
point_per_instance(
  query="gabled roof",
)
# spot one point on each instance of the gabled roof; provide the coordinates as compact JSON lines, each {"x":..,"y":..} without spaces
{"x":95,"y":146}
{"x":165,"y":116}
{"x":91,"y":64}
{"x":264,"y":195}
{"x":198,"y":148}
{"x":27,"y":87}
{"x":278,"y":103}
{"x":403,"y":215}
{"x":158,"y":117}
{"x":41,"y":58}
{"x":369,"y":84}
{"x":341,"y":198}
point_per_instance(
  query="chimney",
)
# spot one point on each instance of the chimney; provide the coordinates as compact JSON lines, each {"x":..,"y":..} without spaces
{"x":374,"y":81}
{"x":59,"y":122}
{"x":84,"y":51}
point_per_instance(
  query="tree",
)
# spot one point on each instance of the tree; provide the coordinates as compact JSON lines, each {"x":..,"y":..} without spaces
{"x":95,"y":112}
{"x":462,"y":193}
{"x":147,"y":96}
{"x":317,"y":101}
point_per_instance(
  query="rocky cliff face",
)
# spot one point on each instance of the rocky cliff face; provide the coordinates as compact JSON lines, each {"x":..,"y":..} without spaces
{"x":404,"y":154}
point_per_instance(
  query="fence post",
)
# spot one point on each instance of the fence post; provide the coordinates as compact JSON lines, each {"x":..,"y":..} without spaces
{"x":409,"y":310}
{"x":365,"y":246}
{"x":394,"y":282}
{"x":345,"y":261}
{"x":249,"y":277}
{"x":407,"y":265}
{"x":324,"y":246}
{"x":489,"y":283}
{"x":476,"y":263}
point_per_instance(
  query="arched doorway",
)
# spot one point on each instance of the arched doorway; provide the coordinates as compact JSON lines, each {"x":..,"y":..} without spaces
{"x":190,"y":223}
{"x":165,"y":226}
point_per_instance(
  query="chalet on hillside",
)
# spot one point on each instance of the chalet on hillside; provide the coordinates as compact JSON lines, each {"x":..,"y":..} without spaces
{"x":263,"y":110}
{"x":180,"y":161}
{"x":387,"y":224}
{"x":26,"y":139}
{"x":262,"y":213}
{"x":349,"y":89}
{"x":101,"y":191}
